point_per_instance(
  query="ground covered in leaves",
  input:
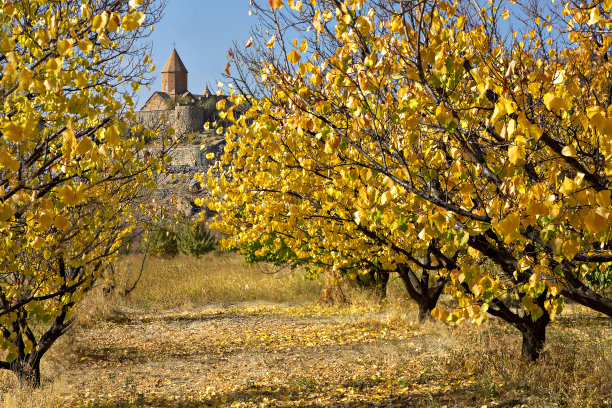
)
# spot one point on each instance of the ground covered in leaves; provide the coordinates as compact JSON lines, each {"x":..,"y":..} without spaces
{"x":280,"y":356}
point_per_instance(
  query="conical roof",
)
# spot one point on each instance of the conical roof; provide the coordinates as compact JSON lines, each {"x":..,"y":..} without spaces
{"x":174,"y":63}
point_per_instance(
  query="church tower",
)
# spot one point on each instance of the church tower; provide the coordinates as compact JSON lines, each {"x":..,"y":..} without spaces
{"x":174,"y":75}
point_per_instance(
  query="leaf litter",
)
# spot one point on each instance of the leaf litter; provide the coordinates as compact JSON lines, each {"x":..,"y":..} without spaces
{"x":251,"y":355}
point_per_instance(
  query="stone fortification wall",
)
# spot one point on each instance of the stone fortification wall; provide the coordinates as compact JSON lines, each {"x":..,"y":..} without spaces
{"x":195,"y":155}
{"x":184,"y":119}
{"x":185,"y":156}
{"x":188,"y":119}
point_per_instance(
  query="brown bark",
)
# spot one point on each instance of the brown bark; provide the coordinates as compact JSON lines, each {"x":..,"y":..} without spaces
{"x":419,"y":290}
{"x":534,"y":337}
{"x":28,"y":373}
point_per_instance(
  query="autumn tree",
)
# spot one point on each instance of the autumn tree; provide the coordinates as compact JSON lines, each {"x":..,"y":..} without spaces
{"x":461,"y":139}
{"x":71,"y":174}
{"x":362,"y":266}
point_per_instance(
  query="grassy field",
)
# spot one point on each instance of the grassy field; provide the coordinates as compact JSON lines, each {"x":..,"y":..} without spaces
{"x":218,"y":277}
{"x":213,"y":332}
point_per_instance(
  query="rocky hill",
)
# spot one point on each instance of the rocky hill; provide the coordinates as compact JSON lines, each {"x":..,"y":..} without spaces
{"x":177,"y":189}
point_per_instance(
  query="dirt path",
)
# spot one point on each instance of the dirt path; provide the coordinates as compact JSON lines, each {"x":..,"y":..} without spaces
{"x":314,"y":356}
{"x":257,"y":356}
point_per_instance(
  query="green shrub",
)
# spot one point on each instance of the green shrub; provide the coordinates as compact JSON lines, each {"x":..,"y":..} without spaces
{"x":196,"y":240}
{"x":163,"y":242}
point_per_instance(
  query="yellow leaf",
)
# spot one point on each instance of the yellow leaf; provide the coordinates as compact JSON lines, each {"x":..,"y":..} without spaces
{"x":552,"y":102}
{"x":276,"y":4}
{"x":443,"y":115}
{"x":72,"y":196}
{"x":516,"y":154}
{"x":85,"y":46}
{"x":38,"y":243}
{"x":559,"y":77}
{"x":303,"y":46}
{"x":99,"y":21}
{"x":554,"y":288}
{"x":511,"y":127}
{"x":595,"y":16}
{"x":113,"y":22}
{"x":6,"y":211}
{"x":556,"y":244}
{"x":62,"y":222}
{"x":81,"y":80}
{"x":603,"y":198}
{"x":249,"y":43}
{"x":111,"y":135}
{"x":570,"y":248}
{"x":44,"y":220}
{"x":294,"y":57}
{"x":13,"y":132}
{"x":25,"y":79}
{"x":316,"y":79}
{"x":569,"y":151}
{"x":133,"y":20}
{"x":397,"y":23}
{"x":8,"y":161}
{"x":271,"y":41}
{"x":103,"y":39}
{"x":9,"y":8}
{"x":226,"y":70}
{"x":595,"y":221}
{"x":505,"y":14}
{"x":296,"y":5}
{"x":69,"y":144}
{"x":84,"y":146}
{"x":567,"y":187}
{"x":460,"y":22}
{"x":316,"y":21}
{"x":64,"y":47}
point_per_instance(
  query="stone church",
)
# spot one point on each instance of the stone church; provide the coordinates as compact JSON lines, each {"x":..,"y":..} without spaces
{"x":174,"y":106}
{"x":185,"y":112}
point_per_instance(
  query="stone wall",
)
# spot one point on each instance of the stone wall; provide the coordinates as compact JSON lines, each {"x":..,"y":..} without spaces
{"x":184,"y":119}
{"x":185,"y":156}
{"x":188,"y":119}
{"x":195,"y":155}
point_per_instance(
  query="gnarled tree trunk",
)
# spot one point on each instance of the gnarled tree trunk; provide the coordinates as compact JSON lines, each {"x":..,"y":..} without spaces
{"x":533,"y":332}
{"x":27,"y":372}
{"x":534,"y":337}
{"x":26,"y":365}
{"x":419,"y":290}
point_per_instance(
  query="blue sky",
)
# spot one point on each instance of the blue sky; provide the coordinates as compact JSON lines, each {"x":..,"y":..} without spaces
{"x":203,"y":31}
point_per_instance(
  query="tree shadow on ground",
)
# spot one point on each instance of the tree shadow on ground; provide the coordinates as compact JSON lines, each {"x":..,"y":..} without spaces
{"x":266,"y":396}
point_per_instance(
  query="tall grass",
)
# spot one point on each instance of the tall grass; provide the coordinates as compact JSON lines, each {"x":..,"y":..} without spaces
{"x":217,"y":277}
{"x":575,"y":369}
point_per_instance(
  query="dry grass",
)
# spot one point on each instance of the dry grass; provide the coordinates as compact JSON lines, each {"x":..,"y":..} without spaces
{"x":12,"y":396}
{"x":219,"y":277}
{"x":212,"y":332}
{"x":575,"y":369}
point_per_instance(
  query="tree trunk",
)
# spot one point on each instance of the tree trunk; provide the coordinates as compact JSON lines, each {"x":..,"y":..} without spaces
{"x":534,"y":336}
{"x":382,"y":279}
{"x":27,"y":373}
{"x":426,"y":305}
{"x":26,"y":367}
{"x":419,"y":290}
